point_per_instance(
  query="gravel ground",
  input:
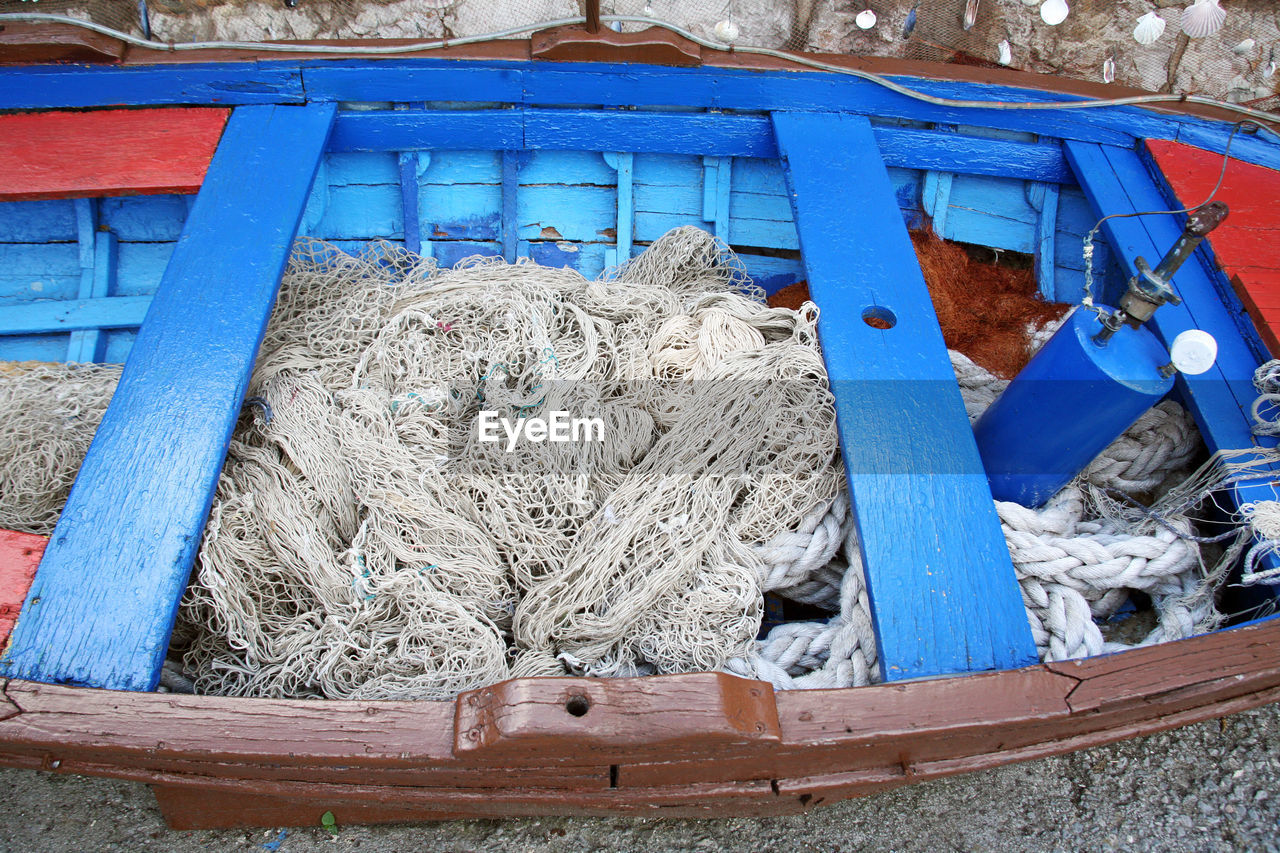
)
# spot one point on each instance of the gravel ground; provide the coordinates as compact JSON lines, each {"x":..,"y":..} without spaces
{"x":1208,"y":787}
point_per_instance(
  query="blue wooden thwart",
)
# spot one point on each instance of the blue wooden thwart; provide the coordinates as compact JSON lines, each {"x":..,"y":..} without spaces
{"x":103,"y":602}
{"x":943,"y":592}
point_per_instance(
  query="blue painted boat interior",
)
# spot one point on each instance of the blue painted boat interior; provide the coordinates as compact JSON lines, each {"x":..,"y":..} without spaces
{"x":533,"y":173}
{"x":560,"y":208}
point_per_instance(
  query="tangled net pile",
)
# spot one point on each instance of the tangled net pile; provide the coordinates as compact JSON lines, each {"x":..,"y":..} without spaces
{"x":49,"y":415}
{"x":365,"y":543}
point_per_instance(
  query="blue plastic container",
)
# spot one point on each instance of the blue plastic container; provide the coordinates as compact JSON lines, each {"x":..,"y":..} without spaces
{"x":1071,"y":401}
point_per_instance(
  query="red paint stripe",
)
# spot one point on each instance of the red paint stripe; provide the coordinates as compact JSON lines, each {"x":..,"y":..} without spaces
{"x":107,"y":152}
{"x":20,"y":553}
{"x":1247,"y":245}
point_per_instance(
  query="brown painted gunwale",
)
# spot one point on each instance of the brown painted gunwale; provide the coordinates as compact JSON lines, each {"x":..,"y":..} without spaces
{"x":227,"y":762}
{"x":834,"y":744}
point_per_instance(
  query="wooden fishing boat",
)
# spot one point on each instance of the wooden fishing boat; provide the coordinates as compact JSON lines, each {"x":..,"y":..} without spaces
{"x":150,"y":200}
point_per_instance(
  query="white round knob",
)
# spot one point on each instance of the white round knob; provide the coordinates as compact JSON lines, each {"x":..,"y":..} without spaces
{"x":1193,"y":352}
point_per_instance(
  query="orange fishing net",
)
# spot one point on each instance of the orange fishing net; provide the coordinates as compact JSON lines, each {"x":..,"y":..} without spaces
{"x":984,"y":308}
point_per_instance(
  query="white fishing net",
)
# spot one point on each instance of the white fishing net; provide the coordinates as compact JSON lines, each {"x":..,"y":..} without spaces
{"x":48,"y":415}
{"x":364,"y":542}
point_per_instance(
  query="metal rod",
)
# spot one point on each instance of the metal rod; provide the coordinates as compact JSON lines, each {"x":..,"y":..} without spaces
{"x":1200,"y":222}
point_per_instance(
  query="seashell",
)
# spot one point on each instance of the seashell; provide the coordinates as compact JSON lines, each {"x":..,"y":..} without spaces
{"x":1109,"y":70}
{"x":866,"y":19}
{"x":727,"y":31}
{"x":1006,"y":53}
{"x":1203,"y":19}
{"x":1244,"y":48}
{"x":1032,"y":2}
{"x":1269,"y":71}
{"x":1054,"y":12}
{"x":910,"y":23}
{"x":1150,"y":28}
{"x":970,"y":13}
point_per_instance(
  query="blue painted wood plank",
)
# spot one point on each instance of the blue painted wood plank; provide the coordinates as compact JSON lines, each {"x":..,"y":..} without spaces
{"x":359,"y":212}
{"x":65,"y":315}
{"x":87,"y":345}
{"x":954,"y":152}
{"x":581,"y":213}
{"x":362,"y":168}
{"x":420,"y":80}
{"x":772,"y":273}
{"x":119,"y":343}
{"x":38,"y":271}
{"x":449,"y":252}
{"x":587,"y":258}
{"x":991,"y":212}
{"x":935,"y":196}
{"x":572,"y":168}
{"x":140,"y":267}
{"x":145,"y":218}
{"x":226,"y":83}
{"x":986,"y":229}
{"x":86,"y":227}
{"x":757,"y":233}
{"x":707,"y":134}
{"x":723,"y":88}
{"x":408,"y":164}
{"x":33,"y":348}
{"x":1117,"y":181}
{"x":944,"y":596}
{"x":422,"y":130}
{"x":623,"y":165}
{"x":711,"y":134}
{"x":450,"y":168}
{"x":102,"y":605}
{"x":52,"y":220}
{"x":1044,"y":198}
{"x":460,"y":212}
{"x":82,"y":345}
{"x":510,"y":192}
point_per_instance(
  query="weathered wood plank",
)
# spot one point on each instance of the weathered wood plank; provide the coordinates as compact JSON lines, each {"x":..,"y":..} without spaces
{"x":74,"y":86}
{"x":19,"y":555}
{"x":708,"y":134}
{"x":572,"y":718}
{"x":944,"y":596}
{"x":103,"y":602}
{"x":109,"y":312}
{"x":106,"y":152}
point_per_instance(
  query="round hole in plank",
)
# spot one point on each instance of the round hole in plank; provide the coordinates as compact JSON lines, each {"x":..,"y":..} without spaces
{"x":578,"y":706}
{"x":879,"y":317}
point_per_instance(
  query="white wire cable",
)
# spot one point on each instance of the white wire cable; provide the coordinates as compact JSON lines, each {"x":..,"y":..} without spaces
{"x":880,"y":80}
